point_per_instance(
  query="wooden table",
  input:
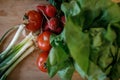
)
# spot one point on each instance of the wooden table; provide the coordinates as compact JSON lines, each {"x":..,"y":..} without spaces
{"x":11,"y":14}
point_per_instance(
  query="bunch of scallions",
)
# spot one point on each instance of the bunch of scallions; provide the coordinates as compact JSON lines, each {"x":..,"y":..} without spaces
{"x":15,"y":51}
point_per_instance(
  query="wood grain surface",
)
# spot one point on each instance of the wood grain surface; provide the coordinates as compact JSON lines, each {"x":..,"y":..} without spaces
{"x":11,"y":14}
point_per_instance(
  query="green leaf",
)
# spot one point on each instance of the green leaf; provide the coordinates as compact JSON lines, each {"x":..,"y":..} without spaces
{"x":79,"y":70}
{"x":117,"y":30}
{"x":110,"y":34}
{"x":59,"y":40}
{"x":105,"y":58}
{"x":78,"y":44}
{"x":96,"y":36}
{"x":56,"y":59}
{"x":52,"y":70}
{"x":57,"y":55}
{"x":70,"y":9}
{"x":115,"y":71}
{"x":95,"y":73}
{"x":67,"y":71}
{"x":101,"y":52}
{"x":98,"y":14}
{"x":111,"y":12}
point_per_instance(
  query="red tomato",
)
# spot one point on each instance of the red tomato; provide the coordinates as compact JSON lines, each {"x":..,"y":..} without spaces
{"x":44,"y":41}
{"x":41,"y":61}
{"x":34,"y":20}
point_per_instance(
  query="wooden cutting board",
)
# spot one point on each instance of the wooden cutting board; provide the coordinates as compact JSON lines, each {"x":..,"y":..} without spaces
{"x":11,"y":14}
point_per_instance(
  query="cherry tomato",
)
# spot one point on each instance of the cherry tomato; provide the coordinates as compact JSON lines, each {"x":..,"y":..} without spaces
{"x":44,"y":41}
{"x":33,"y":20}
{"x":41,"y":61}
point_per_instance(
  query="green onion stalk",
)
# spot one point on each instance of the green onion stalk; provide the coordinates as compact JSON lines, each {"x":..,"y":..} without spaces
{"x":24,"y":55}
{"x":15,"y":53}
{"x":12,"y":43}
{"x":7,"y":33}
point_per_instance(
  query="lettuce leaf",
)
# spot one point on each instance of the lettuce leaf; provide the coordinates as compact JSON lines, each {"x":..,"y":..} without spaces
{"x":92,"y":33}
{"x":78,"y":44}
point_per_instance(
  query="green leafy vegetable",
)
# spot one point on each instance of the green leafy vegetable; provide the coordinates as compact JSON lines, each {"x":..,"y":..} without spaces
{"x":76,"y":41}
{"x":115,"y":71}
{"x":95,"y":73}
{"x":91,"y":39}
{"x":92,"y":35}
{"x":59,"y":60}
{"x":67,"y":71}
{"x":56,"y":60}
{"x":57,"y":55}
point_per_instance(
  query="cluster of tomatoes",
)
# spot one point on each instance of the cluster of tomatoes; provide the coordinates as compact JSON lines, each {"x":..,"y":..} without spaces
{"x":47,"y":20}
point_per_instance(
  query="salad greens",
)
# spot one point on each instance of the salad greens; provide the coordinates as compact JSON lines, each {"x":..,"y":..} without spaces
{"x":89,"y":43}
{"x":76,"y":46}
{"x":59,"y":60}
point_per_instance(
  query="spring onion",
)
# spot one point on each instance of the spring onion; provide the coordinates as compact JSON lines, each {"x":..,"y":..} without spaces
{"x":7,"y":33}
{"x":25,"y":54}
{"x":15,"y":38}
{"x":15,"y":52}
